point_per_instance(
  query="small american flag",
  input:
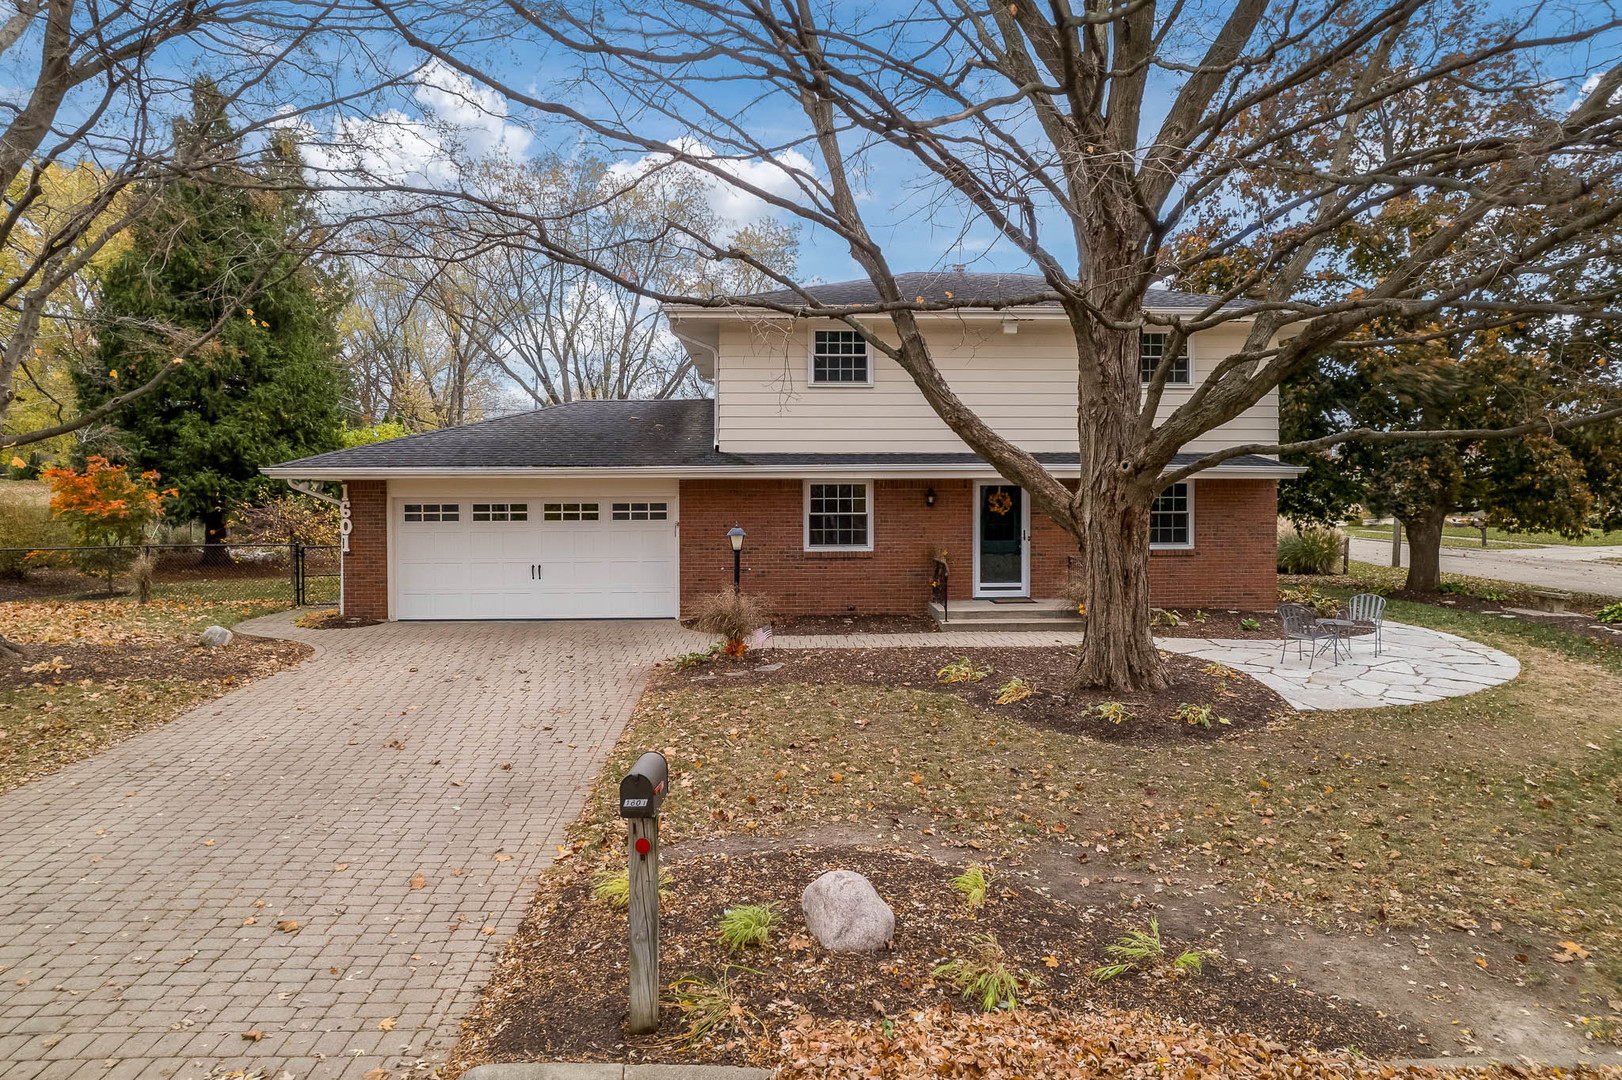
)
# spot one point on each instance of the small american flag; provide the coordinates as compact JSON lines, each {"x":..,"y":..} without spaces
{"x":760,"y":637}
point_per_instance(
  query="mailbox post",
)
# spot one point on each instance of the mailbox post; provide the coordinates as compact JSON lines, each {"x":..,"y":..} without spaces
{"x":642,"y":792}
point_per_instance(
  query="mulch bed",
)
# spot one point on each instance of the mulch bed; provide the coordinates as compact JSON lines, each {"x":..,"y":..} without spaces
{"x":855,"y":624}
{"x":1221,"y":624}
{"x":331,"y":620}
{"x":246,"y":657}
{"x":1239,"y":699}
{"x":560,"y":990}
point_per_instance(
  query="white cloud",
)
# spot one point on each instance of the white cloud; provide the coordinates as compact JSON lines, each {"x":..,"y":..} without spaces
{"x":734,"y":205}
{"x":457,"y":122}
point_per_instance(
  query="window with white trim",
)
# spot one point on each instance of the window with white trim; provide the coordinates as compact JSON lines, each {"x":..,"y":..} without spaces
{"x":1151,"y":347}
{"x":501,"y":511}
{"x":838,"y":516}
{"x":425,"y":512}
{"x":640,"y":511}
{"x":839,"y":357}
{"x":1171,"y":518}
{"x":569,"y":511}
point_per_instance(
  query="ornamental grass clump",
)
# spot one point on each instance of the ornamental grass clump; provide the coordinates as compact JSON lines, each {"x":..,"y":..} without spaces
{"x":972,"y":883}
{"x":615,"y":887}
{"x":734,"y":616}
{"x":1308,"y":549}
{"x":747,"y":925}
{"x":985,"y":980}
{"x":962,"y":670}
{"x":711,"y":1007}
{"x":1143,"y":950}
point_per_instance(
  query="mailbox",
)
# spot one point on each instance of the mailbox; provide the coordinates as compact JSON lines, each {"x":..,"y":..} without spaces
{"x":643,"y":789}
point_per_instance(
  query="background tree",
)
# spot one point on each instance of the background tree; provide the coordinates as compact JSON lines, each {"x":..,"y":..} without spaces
{"x":267,"y":387}
{"x":1082,"y":137}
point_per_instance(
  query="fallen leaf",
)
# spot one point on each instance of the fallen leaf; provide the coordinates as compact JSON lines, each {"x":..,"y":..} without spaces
{"x":250,"y":920}
{"x":387,"y":1023}
{"x":1051,"y":961}
{"x":504,"y":858}
{"x":288,"y":926}
{"x":1481,"y":962}
{"x":253,"y":1036}
{"x":489,"y":929}
{"x":340,"y":866}
{"x":376,"y":1074}
{"x":1574,"y":949}
{"x":418,"y":881}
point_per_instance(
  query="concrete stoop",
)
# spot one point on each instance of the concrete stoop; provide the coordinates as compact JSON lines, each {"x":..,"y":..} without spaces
{"x":979,"y":616}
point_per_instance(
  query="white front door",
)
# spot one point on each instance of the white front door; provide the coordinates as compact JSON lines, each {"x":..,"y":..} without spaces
{"x":534,"y":558}
{"x":1002,"y":533}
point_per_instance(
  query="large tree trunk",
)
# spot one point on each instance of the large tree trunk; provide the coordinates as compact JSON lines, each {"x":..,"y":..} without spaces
{"x":1118,"y":652}
{"x":1425,"y":548}
{"x":215,"y":552}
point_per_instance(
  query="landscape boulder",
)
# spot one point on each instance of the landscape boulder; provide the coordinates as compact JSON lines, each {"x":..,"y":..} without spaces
{"x":846,"y":914}
{"x":215,"y":636}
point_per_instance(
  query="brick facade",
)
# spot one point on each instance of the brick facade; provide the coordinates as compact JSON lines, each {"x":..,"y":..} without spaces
{"x":1232,"y":563}
{"x":366,"y":567}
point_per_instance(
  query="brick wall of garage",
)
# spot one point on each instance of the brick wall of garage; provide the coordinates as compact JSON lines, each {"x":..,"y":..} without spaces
{"x":366,"y":567}
{"x":1232,"y":564}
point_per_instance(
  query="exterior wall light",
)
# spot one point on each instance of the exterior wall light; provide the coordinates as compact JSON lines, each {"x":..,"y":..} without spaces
{"x":929,"y":497}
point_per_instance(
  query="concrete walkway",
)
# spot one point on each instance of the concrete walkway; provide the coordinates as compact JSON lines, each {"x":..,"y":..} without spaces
{"x":394,"y":797}
{"x":1574,"y":569}
{"x":1415,"y":665}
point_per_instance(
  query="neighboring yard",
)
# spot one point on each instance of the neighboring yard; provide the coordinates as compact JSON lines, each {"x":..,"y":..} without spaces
{"x":98,"y":671}
{"x":1465,"y":536}
{"x":1437,"y":879}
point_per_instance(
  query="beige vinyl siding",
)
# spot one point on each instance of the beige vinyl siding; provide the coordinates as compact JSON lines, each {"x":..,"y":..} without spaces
{"x":1023,"y":385}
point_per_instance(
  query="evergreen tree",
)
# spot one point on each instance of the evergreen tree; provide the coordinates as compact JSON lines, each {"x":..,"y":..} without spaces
{"x":225,"y":244}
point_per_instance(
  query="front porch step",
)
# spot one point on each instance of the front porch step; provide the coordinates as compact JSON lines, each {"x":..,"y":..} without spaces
{"x":984,"y":615}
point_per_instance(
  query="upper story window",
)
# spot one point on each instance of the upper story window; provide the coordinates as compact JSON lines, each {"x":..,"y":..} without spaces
{"x":838,"y":516}
{"x":1171,"y":518}
{"x":839,"y":357}
{"x":1151,"y":347}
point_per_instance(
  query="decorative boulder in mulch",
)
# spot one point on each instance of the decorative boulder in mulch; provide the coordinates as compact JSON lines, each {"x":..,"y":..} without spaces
{"x":216,"y":636}
{"x":846,"y":914}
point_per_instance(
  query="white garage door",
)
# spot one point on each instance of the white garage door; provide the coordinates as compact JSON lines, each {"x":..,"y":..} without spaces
{"x":575,"y":558}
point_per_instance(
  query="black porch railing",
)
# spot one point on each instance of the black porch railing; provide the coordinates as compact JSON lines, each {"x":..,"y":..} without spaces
{"x":938,"y":591}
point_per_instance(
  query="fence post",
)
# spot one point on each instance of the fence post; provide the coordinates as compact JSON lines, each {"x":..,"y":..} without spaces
{"x":107,"y":557}
{"x":298,"y":574}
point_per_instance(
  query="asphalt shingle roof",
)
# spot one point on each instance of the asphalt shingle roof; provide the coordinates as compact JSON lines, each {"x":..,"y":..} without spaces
{"x":971,"y":290}
{"x":616,"y":435}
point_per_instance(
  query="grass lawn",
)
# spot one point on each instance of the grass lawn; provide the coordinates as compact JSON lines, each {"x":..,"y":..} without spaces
{"x":1464,"y":536}
{"x":1463,"y":855}
{"x":145,"y":668}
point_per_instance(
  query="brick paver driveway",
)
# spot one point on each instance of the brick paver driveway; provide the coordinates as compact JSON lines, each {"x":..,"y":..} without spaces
{"x":394,"y":796}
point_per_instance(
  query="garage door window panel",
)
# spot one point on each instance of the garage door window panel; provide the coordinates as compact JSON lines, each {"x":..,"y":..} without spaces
{"x":569,"y":511}
{"x":640,"y":511}
{"x":427,"y":513}
{"x":500,"y":511}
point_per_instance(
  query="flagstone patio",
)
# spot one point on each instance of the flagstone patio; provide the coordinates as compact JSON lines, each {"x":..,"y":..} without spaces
{"x":1415,"y":665}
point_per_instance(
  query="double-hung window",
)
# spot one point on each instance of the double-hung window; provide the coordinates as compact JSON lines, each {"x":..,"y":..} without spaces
{"x":838,"y":516}
{"x":1151,"y":349}
{"x":839,"y":358}
{"x":1171,"y":518}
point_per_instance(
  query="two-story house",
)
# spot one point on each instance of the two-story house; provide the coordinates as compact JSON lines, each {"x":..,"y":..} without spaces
{"x":844,"y":481}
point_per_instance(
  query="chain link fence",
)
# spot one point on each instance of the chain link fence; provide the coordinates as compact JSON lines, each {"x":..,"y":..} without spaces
{"x":295,"y":573}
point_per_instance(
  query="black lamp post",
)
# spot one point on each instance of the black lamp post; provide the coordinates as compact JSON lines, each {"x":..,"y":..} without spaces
{"x":735,"y":537}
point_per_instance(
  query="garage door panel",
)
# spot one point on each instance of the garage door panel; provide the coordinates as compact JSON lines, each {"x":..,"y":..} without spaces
{"x":535,"y":568}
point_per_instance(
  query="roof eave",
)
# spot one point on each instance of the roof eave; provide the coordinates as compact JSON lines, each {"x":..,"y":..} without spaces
{"x":911,"y":471}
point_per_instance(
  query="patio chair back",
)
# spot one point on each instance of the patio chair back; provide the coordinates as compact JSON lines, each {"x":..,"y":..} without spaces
{"x":1366,"y":608}
{"x":1299,"y":623}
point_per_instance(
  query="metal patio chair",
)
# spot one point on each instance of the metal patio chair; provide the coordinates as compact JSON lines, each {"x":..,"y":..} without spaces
{"x":1301,"y":626}
{"x":1366,"y":609}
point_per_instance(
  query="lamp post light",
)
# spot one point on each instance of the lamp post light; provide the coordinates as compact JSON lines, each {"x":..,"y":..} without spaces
{"x":735,"y":537}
